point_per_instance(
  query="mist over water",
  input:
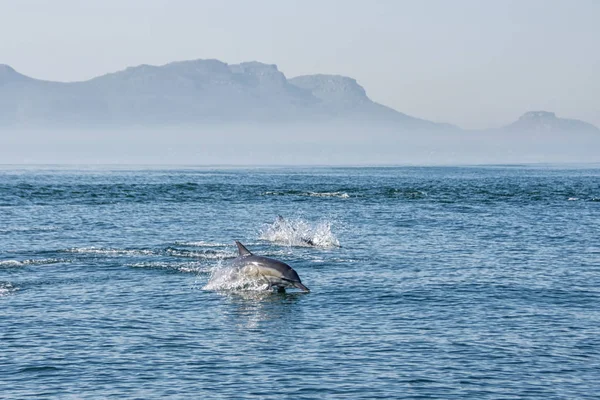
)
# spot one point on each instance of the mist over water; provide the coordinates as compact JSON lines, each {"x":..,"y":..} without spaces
{"x":362,"y":143}
{"x":431,"y":282}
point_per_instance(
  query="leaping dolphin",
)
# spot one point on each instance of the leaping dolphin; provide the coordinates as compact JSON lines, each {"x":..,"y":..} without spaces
{"x":278,"y":274}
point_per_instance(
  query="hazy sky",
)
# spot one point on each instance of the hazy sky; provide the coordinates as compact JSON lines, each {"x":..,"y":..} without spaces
{"x":473,"y":63}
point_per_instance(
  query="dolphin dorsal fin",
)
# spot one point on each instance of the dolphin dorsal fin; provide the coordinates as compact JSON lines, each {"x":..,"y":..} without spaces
{"x":242,"y":249}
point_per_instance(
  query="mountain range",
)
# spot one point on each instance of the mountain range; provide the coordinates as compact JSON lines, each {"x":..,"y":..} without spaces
{"x":208,"y":111}
{"x":189,"y":92}
{"x":211,"y":91}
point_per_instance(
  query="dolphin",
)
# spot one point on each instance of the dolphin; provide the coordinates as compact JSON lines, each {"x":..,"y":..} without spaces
{"x":277,"y":274}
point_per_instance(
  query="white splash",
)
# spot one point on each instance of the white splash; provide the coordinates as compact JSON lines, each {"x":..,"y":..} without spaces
{"x":22,"y":263}
{"x":6,"y":288}
{"x":341,"y":195}
{"x":231,"y":278}
{"x":298,"y":232}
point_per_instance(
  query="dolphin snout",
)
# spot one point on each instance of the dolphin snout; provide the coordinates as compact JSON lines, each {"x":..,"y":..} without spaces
{"x":301,"y":286}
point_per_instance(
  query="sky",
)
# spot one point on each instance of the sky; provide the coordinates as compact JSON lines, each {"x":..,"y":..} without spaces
{"x":475,"y":64}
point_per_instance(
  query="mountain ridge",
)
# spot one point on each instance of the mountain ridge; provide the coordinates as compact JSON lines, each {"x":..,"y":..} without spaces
{"x":191,"y":92}
{"x":211,"y":91}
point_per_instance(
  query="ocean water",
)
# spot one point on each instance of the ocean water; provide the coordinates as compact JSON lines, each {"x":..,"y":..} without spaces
{"x":426,"y":283}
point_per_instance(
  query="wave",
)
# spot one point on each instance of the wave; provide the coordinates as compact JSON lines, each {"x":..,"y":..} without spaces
{"x":201,"y":244}
{"x":169,"y":251}
{"x":204,"y":254}
{"x":342,"y":195}
{"x":110,"y":251}
{"x":406,"y":193}
{"x":189,"y":267}
{"x":298,"y":232}
{"x":7,"y":288}
{"x":28,"y":229}
{"x":23,"y":263}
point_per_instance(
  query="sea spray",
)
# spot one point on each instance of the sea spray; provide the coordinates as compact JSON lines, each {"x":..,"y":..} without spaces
{"x":298,"y":232}
{"x":227,"y":277}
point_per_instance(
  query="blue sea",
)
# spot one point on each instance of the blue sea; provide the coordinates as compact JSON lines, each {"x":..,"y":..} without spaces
{"x":426,"y":282}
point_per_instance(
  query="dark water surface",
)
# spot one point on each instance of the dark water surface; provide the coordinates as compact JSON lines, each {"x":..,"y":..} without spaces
{"x":465,"y":283}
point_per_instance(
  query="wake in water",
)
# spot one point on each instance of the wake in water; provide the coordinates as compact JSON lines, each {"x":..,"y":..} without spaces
{"x":297,"y":232}
{"x":23,"y":263}
{"x":341,"y":195}
{"x":195,"y":267}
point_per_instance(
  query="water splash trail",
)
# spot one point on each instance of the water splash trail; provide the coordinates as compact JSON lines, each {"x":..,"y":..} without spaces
{"x":298,"y":232}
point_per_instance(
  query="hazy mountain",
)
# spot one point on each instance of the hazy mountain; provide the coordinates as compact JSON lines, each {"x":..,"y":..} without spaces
{"x":207,"y":111}
{"x":342,"y":97}
{"x":191,"y":92}
{"x":539,"y":136}
{"x":547,"y":122}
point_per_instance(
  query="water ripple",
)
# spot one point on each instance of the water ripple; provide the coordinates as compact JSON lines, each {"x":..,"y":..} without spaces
{"x":464,"y":283}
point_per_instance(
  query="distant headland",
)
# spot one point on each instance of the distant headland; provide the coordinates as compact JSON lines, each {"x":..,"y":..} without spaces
{"x":187,"y":93}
